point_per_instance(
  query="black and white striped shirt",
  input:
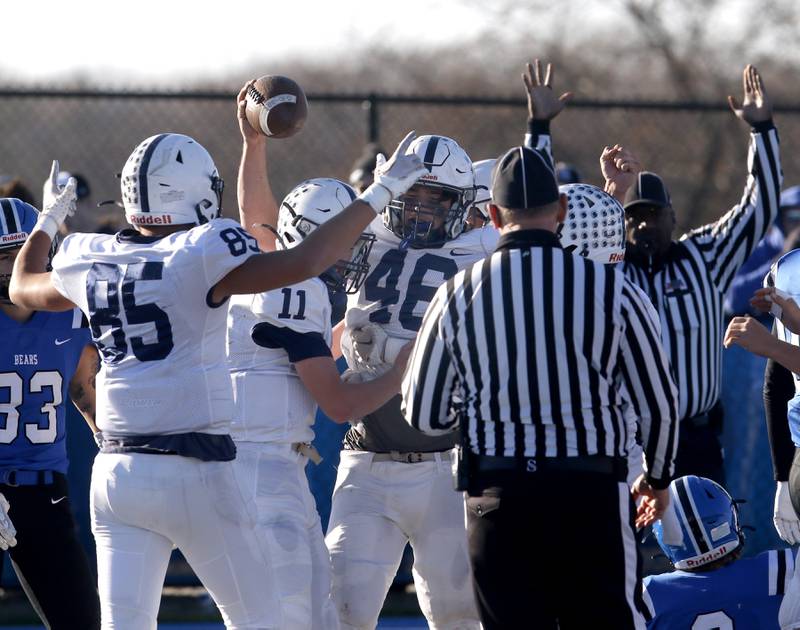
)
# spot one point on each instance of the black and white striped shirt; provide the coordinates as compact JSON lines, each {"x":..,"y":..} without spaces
{"x":688,"y":285}
{"x":537,"y":352}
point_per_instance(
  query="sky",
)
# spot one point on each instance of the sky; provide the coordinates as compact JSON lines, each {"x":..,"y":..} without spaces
{"x":156,"y":43}
{"x":153,"y":42}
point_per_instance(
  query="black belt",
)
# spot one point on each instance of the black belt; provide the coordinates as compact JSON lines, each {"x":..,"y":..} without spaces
{"x":597,"y":464}
{"x":16,"y":478}
{"x":713,"y":418}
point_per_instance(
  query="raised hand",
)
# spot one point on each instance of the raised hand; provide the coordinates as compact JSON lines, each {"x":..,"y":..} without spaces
{"x":619,"y":166}
{"x":59,"y":203}
{"x":543,"y":104}
{"x":756,"y":106}
{"x":780,"y":304}
{"x":248,"y":133}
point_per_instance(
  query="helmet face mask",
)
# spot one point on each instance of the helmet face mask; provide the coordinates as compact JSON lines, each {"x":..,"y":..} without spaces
{"x":17,"y":220}
{"x":170,"y":179}
{"x":595,"y":224}
{"x":310,"y":204}
{"x":701,"y":526}
{"x":434,"y":210}
{"x":483,"y":189}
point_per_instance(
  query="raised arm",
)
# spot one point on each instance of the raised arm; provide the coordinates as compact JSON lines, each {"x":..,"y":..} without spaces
{"x":543,"y":106}
{"x":325,"y":245}
{"x":735,"y":235}
{"x":30,"y":285}
{"x":257,"y":204}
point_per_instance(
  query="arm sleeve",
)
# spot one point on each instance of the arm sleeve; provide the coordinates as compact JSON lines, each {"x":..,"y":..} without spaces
{"x":778,"y":391}
{"x":294,"y":318}
{"x":728,"y":243}
{"x":538,"y":139}
{"x":430,"y":377}
{"x":299,"y":346}
{"x":654,"y":396}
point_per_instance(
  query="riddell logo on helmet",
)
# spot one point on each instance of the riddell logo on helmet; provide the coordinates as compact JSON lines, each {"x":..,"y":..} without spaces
{"x":709,"y":557}
{"x":430,"y":177}
{"x":154,"y":220}
{"x":615,"y":258}
{"x":16,"y":237}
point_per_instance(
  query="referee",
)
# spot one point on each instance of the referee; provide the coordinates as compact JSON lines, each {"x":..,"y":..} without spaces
{"x":687,"y":279}
{"x":534,"y":353}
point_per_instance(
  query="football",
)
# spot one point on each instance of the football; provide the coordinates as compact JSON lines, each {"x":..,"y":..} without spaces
{"x":276,"y":106}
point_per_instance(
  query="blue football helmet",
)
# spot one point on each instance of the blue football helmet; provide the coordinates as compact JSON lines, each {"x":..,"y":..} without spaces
{"x":701,"y":524}
{"x":17,"y":220}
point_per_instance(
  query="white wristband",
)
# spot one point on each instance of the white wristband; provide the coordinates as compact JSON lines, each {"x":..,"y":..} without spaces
{"x":46,"y":224}
{"x":377,"y":196}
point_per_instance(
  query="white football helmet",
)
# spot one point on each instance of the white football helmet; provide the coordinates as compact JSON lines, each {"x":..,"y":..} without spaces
{"x":595,"y":224}
{"x":483,"y":186}
{"x":429,"y":219}
{"x":307,"y":206}
{"x":170,"y":179}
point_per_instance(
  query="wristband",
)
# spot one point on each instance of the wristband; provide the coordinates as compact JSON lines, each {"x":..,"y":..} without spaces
{"x":46,"y":224}
{"x":377,"y":196}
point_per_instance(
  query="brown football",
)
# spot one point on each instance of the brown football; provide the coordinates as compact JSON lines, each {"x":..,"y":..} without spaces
{"x":276,"y":106}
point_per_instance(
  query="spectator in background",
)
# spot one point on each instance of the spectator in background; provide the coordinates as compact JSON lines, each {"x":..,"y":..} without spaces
{"x":361,"y":175}
{"x":751,"y":275}
{"x":567,"y":173}
{"x":11,"y":187}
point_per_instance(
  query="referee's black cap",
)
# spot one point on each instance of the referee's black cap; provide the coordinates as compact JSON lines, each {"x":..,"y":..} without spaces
{"x":648,"y":190}
{"x":523,"y":180}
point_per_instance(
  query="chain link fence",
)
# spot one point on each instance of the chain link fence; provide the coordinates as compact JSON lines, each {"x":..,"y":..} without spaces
{"x":699,"y":149}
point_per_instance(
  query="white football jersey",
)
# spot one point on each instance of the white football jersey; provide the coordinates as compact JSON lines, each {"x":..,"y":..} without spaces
{"x":162,"y":343}
{"x":401,"y":282}
{"x":272,"y":404}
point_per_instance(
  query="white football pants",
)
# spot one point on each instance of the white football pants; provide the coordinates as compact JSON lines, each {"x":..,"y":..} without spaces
{"x":272,"y":477}
{"x":789,"y":612}
{"x":377,"y":508}
{"x":142,"y":505}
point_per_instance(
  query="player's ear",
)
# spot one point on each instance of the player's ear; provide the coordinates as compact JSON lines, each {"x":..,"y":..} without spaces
{"x":562,"y":208}
{"x":495,"y":215}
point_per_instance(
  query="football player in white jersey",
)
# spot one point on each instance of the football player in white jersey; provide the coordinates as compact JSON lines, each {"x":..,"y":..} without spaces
{"x":281,"y":366}
{"x":152,"y":295}
{"x":478,"y":214}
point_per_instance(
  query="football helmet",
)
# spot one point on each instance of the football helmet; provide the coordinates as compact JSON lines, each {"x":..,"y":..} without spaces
{"x":701,"y":524}
{"x":595,"y":224}
{"x":17,"y":220}
{"x":483,"y":187}
{"x":170,"y":179}
{"x":307,"y":206}
{"x":433,"y":211}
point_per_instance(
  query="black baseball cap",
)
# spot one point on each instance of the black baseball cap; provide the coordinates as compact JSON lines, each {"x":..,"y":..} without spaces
{"x":649,"y":190}
{"x":523,"y":179}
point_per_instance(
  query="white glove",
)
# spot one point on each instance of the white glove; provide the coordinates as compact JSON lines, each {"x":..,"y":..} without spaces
{"x":57,"y":205}
{"x":393,"y":177}
{"x":8,"y":534}
{"x":783,"y":515}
